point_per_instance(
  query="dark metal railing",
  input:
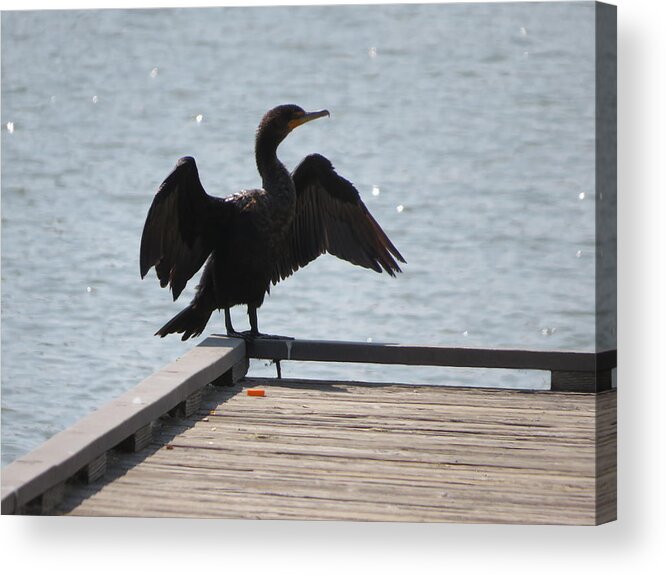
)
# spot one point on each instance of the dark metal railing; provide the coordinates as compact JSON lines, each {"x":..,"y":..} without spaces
{"x":570,"y":371}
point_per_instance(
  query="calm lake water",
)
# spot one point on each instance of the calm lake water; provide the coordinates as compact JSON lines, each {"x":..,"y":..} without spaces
{"x":467,"y":128}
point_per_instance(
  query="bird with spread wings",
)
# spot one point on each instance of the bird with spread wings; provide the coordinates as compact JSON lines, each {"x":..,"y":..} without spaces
{"x":256,"y":237}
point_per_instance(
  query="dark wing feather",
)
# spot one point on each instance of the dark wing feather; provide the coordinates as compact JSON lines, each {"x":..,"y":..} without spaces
{"x":331,"y":217}
{"x":176,"y":237}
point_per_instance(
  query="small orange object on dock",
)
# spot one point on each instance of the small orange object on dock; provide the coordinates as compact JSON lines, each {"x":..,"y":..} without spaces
{"x":256,"y":392}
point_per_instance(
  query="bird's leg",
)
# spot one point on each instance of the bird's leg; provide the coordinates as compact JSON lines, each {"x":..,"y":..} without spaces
{"x":254,"y":327}
{"x":254,"y":332}
{"x":246,"y":335}
{"x":227,"y":321}
{"x":252,"y":312}
{"x":231,"y":332}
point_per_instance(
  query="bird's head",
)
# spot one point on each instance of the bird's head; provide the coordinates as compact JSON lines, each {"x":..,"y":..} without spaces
{"x":278,"y":122}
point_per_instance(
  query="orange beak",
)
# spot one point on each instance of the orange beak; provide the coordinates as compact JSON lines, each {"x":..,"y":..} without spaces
{"x":308,"y":117}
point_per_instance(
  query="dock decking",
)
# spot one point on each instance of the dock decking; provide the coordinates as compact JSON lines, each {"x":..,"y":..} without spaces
{"x":349,"y":451}
{"x":314,"y":450}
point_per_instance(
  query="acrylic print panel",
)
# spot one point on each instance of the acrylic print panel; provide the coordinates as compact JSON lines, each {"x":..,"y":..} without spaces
{"x":480,"y":136}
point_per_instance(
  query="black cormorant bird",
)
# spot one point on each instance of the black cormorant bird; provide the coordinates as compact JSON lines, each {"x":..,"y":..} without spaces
{"x":256,"y":237}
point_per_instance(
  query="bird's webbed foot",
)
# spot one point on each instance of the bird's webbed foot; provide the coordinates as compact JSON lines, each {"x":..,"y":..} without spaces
{"x":246,"y":335}
{"x":250,"y":335}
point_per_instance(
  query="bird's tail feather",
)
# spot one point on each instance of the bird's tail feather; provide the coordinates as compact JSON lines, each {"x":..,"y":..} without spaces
{"x":190,"y":322}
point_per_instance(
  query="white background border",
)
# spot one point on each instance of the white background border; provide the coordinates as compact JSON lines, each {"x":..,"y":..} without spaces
{"x":634,"y":544}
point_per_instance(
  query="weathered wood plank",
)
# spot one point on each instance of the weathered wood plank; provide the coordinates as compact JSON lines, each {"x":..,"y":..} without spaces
{"x":139,"y":439}
{"x":65,"y":454}
{"x":190,"y":405}
{"x":606,"y":458}
{"x":94,"y":470}
{"x":314,"y":450}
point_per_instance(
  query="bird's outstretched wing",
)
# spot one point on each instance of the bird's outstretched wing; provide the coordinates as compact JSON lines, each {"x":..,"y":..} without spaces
{"x":331,"y":217}
{"x":177,"y":235}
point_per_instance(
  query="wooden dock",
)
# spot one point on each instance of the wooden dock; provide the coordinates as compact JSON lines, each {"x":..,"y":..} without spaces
{"x":332,"y":450}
